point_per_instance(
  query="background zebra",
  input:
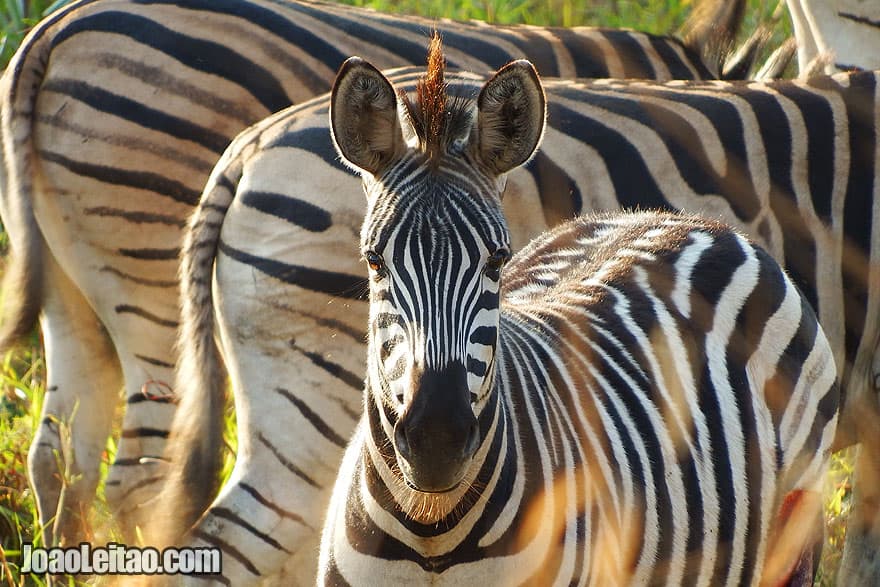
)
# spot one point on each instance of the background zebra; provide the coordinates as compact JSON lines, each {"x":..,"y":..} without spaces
{"x":791,"y":163}
{"x":630,"y":404}
{"x":836,"y":34}
{"x":114,"y":112}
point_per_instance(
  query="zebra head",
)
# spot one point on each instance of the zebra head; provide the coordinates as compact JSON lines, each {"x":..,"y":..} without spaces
{"x":435,"y":240}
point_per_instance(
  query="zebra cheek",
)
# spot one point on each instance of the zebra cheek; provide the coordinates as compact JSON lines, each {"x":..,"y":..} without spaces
{"x":478,"y":372}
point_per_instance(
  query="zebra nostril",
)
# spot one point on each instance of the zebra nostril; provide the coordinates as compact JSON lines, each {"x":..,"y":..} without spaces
{"x":473,"y":440}
{"x":401,"y":442}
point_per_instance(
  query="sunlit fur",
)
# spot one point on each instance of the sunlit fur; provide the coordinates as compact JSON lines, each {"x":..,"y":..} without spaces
{"x":660,"y":388}
{"x":288,"y":294}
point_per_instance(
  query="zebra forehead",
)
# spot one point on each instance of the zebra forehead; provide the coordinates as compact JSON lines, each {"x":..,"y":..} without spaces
{"x":437,"y":215}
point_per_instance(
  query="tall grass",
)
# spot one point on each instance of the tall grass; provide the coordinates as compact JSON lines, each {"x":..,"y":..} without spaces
{"x":653,"y":16}
{"x":22,"y":374}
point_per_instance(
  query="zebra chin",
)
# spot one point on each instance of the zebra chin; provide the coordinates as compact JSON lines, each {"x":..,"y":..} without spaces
{"x":429,"y":479}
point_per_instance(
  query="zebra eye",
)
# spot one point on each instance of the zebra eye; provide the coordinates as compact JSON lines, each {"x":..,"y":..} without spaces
{"x":375,"y":262}
{"x":495,"y":262}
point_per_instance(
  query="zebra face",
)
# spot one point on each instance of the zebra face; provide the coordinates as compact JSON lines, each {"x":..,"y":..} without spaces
{"x":435,"y":241}
{"x":435,"y":276}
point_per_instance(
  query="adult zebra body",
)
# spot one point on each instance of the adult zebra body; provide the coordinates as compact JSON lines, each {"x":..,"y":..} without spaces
{"x":114,"y":112}
{"x":836,"y":34}
{"x":631,"y":401}
{"x":793,"y":164}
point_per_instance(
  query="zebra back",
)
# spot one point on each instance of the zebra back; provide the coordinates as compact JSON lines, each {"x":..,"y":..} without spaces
{"x":790,"y":163}
{"x":773,"y":160}
{"x":616,"y":381}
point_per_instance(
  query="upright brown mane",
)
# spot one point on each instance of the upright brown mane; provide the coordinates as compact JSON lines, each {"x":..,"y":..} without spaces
{"x":436,"y":119}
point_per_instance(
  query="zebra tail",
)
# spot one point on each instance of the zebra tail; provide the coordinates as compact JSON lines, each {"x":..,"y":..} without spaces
{"x":22,"y":289}
{"x":195,"y":447}
{"x":710,"y":30}
{"x":742,"y":60}
{"x":778,"y":61}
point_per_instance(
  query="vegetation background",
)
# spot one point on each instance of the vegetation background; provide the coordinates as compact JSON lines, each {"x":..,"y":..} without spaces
{"x":22,"y":373}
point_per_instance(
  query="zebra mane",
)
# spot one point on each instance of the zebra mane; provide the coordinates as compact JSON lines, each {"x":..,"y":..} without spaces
{"x":436,"y":118}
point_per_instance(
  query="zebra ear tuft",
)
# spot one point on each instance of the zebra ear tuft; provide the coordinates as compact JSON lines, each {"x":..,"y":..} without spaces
{"x":512,"y":113}
{"x":363,"y":117}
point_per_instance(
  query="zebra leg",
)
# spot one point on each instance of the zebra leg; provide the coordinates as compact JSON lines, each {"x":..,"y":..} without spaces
{"x":138,"y":470}
{"x":269,"y":514}
{"x":138,"y":307}
{"x":83,"y":382}
{"x":267,"y":517}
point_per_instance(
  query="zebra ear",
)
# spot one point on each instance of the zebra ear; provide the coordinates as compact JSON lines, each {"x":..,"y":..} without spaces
{"x":512,"y":112}
{"x":363,"y":117}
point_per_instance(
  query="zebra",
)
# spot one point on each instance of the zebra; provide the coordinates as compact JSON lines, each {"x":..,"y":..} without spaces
{"x":790,"y":163}
{"x":836,"y":34}
{"x":114,"y":113}
{"x":627,"y":401}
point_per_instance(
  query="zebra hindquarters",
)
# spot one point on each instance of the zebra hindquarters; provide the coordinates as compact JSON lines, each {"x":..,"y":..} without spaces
{"x":127,"y":279}
{"x":801,"y":395}
{"x":292,"y":337}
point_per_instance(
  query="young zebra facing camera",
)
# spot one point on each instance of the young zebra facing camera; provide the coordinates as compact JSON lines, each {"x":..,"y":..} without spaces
{"x":632,"y":398}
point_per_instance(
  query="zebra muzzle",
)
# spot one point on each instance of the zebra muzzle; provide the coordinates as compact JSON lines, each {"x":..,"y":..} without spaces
{"x":437,"y":436}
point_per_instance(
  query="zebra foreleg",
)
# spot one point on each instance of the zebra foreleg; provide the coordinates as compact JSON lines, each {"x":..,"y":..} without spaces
{"x":81,"y":392}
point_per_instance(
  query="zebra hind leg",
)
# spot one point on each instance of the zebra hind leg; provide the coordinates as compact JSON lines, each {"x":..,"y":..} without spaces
{"x":81,"y":394}
{"x":139,"y":469}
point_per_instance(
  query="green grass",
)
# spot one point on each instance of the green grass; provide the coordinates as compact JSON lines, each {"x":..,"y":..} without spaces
{"x":20,"y":401}
{"x":653,"y":16}
{"x":22,"y":375}
{"x":17,"y":17}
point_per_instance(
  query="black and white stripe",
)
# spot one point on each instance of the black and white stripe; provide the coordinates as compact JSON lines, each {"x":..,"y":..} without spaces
{"x":618,"y":441}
